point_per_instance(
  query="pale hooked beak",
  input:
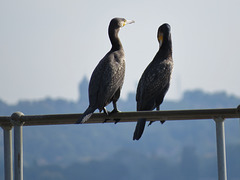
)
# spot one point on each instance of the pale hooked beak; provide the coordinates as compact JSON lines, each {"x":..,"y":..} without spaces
{"x":128,"y":22}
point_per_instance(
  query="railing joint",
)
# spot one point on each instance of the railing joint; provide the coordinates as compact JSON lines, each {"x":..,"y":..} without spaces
{"x":16,"y":119}
{"x":219,"y":119}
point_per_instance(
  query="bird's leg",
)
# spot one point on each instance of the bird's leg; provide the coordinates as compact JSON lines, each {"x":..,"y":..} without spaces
{"x":158,"y":109}
{"x":115,"y":110}
{"x":107,"y":113}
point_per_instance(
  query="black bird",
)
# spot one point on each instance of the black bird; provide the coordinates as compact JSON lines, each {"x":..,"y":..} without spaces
{"x":155,"y":80}
{"x":107,"y":78}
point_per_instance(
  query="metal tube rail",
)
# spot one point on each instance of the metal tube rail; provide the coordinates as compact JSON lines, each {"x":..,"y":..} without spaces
{"x":8,"y":166}
{"x":58,"y":119}
{"x":18,"y":153}
{"x":18,"y":145}
{"x":221,"y":149}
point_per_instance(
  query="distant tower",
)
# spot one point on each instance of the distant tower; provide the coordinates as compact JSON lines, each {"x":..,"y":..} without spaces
{"x":83,"y":90}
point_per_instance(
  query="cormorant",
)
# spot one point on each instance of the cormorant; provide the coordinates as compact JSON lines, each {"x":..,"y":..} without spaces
{"x":155,"y":80}
{"x":108,"y":76}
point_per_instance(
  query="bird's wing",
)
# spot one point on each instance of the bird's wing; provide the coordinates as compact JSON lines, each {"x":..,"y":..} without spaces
{"x":95,"y":83}
{"x":153,"y":81}
{"x":106,"y":79}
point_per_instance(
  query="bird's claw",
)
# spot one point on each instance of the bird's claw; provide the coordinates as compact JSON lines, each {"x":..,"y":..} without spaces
{"x":106,"y":120}
{"x":113,"y":112}
{"x":110,"y":113}
{"x":115,"y":120}
{"x":150,"y":123}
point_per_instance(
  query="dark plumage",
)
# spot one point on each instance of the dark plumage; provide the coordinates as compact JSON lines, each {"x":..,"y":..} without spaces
{"x":155,"y":80}
{"x":107,"y":78}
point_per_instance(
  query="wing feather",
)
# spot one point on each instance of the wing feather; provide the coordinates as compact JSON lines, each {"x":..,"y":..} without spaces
{"x":152,"y":83}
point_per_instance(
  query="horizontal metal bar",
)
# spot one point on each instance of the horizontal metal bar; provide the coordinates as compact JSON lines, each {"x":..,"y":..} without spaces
{"x":196,"y":114}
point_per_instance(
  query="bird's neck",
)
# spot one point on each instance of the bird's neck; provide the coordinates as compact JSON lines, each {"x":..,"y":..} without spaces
{"x":115,"y":41}
{"x":166,"y":49}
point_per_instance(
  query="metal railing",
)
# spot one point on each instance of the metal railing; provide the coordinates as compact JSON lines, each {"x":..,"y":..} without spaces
{"x":18,"y":120}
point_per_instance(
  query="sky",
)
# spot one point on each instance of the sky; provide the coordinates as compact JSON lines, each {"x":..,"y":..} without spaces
{"x":48,"y":46}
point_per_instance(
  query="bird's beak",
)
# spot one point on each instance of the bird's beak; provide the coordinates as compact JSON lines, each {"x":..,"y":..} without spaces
{"x":128,"y":22}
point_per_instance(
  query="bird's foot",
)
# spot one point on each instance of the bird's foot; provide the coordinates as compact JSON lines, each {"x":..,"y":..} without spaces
{"x":114,"y":111}
{"x":105,"y":111}
{"x":110,"y":113}
{"x":106,"y":120}
{"x":115,"y":120}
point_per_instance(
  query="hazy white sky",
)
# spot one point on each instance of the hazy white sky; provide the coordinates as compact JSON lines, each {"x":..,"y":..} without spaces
{"x":48,"y":46}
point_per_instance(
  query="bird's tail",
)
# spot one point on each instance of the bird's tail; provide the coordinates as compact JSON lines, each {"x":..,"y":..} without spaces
{"x":139,"y":129}
{"x":86,"y":115}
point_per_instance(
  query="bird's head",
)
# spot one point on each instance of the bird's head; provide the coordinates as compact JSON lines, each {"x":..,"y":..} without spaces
{"x":120,"y":22}
{"x":164,"y":33}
